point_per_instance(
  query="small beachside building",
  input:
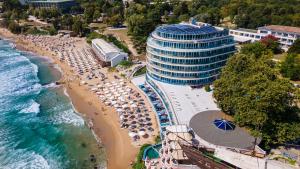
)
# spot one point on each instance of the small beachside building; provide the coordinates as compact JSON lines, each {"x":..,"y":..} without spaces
{"x":107,"y":53}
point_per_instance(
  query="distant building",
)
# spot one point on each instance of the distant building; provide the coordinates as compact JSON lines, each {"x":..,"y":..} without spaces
{"x":108,"y":54}
{"x":286,"y":34}
{"x":63,"y":5}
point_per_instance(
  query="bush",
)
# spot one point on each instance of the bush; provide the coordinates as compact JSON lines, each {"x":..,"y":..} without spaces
{"x":126,"y":63}
{"x":157,"y":139}
{"x":35,"y":31}
{"x":139,"y":163}
{"x":207,"y":88}
{"x":52,"y":31}
{"x":141,"y":71}
{"x":14,"y":27}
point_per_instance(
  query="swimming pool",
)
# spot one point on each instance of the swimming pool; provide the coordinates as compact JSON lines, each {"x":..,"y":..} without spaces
{"x":152,"y":152}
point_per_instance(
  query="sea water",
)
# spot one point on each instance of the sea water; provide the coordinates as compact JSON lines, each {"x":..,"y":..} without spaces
{"x":39,"y":128}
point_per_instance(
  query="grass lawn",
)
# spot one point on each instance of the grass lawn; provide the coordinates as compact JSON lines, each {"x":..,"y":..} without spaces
{"x":280,"y":57}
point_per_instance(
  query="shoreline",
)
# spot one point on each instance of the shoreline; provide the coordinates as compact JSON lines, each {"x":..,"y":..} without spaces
{"x":120,"y":152}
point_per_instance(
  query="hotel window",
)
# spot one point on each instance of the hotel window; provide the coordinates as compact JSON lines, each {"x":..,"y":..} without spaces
{"x":264,"y":32}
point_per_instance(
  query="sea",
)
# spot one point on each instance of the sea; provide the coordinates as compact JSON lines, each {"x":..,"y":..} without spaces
{"x":39,"y":127}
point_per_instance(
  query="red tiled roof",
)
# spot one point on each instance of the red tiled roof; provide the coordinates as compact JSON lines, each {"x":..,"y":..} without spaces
{"x":283,"y":28}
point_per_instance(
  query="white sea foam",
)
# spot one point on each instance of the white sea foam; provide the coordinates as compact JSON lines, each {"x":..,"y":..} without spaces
{"x":27,"y":160}
{"x":35,"y":68}
{"x":50,"y":85}
{"x":33,"y":108}
{"x":68,"y":117}
{"x":56,"y":66}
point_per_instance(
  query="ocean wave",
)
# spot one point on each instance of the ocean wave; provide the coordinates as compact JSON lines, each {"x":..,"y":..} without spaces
{"x":25,"y":160}
{"x":33,"y":108}
{"x":51,"y":85}
{"x":35,"y":68}
{"x":68,"y":117}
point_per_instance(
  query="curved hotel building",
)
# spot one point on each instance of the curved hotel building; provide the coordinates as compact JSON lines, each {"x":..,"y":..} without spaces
{"x":188,"y":54}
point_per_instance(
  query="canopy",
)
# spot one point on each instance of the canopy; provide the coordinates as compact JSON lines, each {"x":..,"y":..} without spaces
{"x":224,"y":124}
{"x":132,"y":134}
{"x":141,"y":133}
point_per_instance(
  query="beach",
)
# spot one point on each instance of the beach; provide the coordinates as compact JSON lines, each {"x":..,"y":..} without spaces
{"x":118,"y":145}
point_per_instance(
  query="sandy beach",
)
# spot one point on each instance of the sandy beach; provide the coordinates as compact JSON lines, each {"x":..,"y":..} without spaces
{"x":118,"y":145}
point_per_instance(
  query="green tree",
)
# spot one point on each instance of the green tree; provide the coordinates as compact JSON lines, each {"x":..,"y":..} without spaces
{"x":115,"y":20}
{"x":67,"y":21}
{"x":251,"y":91}
{"x":290,"y":67}
{"x":43,"y":13}
{"x":77,"y":26}
{"x":257,"y":49}
{"x":295,"y":48}
{"x":271,"y":42}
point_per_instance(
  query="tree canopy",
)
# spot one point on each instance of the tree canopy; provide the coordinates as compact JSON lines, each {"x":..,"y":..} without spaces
{"x":251,"y":90}
{"x":295,"y":48}
{"x":290,"y":67}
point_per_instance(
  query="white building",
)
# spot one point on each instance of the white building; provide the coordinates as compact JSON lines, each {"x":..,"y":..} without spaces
{"x":108,"y":54}
{"x":285,"y":34}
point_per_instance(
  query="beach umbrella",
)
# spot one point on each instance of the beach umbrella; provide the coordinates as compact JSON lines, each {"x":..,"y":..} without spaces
{"x":149,"y":124}
{"x":133,"y":106}
{"x":141,"y":133}
{"x":120,"y":110}
{"x":122,"y":99}
{"x":132,"y":126}
{"x":132,"y":134}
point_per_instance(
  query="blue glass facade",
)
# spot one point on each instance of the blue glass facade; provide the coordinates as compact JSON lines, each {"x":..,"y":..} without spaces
{"x":186,"y":54}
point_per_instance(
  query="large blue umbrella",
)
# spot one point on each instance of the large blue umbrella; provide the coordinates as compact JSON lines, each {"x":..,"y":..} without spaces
{"x":224,"y":124}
